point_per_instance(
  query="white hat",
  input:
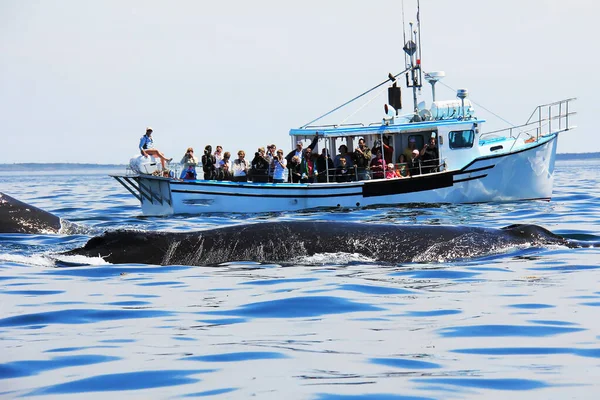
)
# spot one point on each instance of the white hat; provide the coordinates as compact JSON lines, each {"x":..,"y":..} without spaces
{"x":148,"y":128}
{"x":415,"y":151}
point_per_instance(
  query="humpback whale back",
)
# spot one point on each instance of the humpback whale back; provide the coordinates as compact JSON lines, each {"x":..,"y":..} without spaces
{"x":283,"y":241}
{"x":290,"y":241}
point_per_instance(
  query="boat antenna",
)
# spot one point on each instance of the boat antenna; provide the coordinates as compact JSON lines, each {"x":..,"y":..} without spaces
{"x":404,"y":34}
{"x":390,"y":78}
{"x":419,"y":28}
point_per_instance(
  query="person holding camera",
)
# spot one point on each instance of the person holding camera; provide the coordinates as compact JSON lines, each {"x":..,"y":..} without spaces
{"x":225,"y":168}
{"x":430,"y":156}
{"x":240,"y":168}
{"x":279,"y":167}
{"x":362,"y":158}
{"x":189,"y":162}
{"x":260,"y":166}
{"x":208,"y":163}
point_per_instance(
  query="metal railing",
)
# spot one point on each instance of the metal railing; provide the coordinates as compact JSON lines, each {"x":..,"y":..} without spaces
{"x":544,"y":120}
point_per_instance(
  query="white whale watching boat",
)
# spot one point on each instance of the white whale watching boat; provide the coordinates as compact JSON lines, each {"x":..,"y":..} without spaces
{"x":474,"y":166}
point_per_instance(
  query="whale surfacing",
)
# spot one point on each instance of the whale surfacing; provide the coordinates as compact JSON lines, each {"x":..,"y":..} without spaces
{"x":283,"y":241}
{"x":19,"y":217}
{"x":292,"y":240}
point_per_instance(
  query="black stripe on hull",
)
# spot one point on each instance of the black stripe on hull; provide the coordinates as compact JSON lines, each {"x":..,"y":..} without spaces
{"x":470,"y":179}
{"x":420,"y":183}
{"x":475,"y":170}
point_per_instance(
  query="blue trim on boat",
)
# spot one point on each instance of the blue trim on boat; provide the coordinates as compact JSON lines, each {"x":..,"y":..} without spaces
{"x":379,"y":129}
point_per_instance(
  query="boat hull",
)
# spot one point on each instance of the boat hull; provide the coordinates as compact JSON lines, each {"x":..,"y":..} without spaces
{"x":526,"y":174}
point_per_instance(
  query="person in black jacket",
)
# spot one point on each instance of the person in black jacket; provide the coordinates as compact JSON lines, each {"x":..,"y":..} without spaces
{"x":325,"y":166}
{"x":208,"y":163}
{"x":430,"y":157}
{"x":260,"y":167}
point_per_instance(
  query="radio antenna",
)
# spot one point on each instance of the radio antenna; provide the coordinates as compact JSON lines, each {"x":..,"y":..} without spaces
{"x":419,"y":27}
{"x":404,"y":35}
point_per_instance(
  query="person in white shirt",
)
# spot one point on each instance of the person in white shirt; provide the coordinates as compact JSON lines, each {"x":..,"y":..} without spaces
{"x":279,"y":167}
{"x":240,"y":168}
{"x":218,"y":156}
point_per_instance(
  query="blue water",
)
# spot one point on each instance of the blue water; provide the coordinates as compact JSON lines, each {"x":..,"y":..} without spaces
{"x":523,"y":323}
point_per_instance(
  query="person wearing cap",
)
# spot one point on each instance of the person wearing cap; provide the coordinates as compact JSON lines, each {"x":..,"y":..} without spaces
{"x":411,"y":146}
{"x":390,"y":172}
{"x":299,"y":151}
{"x":147,"y":148}
{"x":414,"y":165}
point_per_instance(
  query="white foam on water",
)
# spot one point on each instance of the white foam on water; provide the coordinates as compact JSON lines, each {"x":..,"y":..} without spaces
{"x":40,"y":260}
{"x":79,"y":259}
{"x":332,"y":258}
{"x":49,"y":260}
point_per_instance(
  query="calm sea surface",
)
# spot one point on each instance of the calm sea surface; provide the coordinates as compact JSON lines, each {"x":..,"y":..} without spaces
{"x":521,"y":324}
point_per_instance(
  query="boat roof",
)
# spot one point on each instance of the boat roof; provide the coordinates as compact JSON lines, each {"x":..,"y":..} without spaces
{"x":376,"y":128}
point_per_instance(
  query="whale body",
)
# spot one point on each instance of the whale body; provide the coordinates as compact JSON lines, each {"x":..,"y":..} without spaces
{"x":285,"y":241}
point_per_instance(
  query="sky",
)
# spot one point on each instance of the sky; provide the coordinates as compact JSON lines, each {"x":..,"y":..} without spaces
{"x":81,"y":80}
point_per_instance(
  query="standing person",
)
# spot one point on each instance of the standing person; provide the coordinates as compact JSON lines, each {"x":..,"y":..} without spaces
{"x":377,"y":166}
{"x":189,"y":162}
{"x":270,"y":156}
{"x":260,"y":166}
{"x":325,"y":166}
{"x":208,"y":163}
{"x":279,"y":167}
{"x":430,"y":156}
{"x":225,"y":168}
{"x":362,"y":158}
{"x":412,"y":142}
{"x":147,"y":148}
{"x":218,"y":157}
{"x":294,"y":169}
{"x":309,"y":167}
{"x":388,"y":151}
{"x":240,"y":168}
{"x":299,"y":151}
{"x":414,"y":165}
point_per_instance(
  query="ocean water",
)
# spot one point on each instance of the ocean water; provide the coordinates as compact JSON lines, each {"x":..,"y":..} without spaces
{"x":521,"y":323}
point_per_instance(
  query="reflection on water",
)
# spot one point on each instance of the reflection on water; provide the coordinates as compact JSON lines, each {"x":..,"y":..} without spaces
{"x":519,"y":324}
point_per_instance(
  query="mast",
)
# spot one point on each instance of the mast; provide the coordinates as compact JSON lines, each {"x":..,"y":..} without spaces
{"x":412,"y":48}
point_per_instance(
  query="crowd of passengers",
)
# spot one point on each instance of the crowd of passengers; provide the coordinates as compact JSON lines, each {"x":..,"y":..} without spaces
{"x":302,"y":164}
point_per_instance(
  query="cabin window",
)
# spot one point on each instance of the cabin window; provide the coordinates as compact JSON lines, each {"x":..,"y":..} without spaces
{"x":461,"y":139}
